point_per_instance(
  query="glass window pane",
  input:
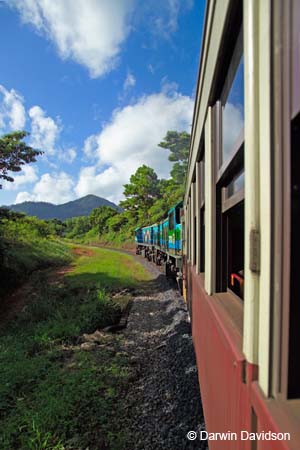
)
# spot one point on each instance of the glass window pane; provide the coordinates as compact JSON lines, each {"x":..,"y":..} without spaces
{"x":235,"y":249}
{"x":236,"y":184}
{"x":233,"y":105}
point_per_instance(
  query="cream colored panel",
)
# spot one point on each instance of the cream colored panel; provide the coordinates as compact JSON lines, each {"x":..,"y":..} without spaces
{"x":209,"y":206}
{"x":251,"y":76}
{"x":265,"y":194}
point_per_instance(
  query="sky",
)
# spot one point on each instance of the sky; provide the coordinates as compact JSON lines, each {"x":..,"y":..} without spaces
{"x":97,"y":84}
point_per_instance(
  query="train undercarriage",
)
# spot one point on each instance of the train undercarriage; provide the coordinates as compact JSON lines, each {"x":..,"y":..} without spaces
{"x":171,"y":263}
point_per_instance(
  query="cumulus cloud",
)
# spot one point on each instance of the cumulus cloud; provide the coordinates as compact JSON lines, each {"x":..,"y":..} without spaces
{"x":105,"y":184}
{"x":54,"y":188}
{"x":12,"y":111}
{"x":44,"y":130}
{"x":130,"y":140}
{"x":90,"y":146}
{"x":89,"y":32}
{"x":27,"y":175}
{"x":67,"y":155}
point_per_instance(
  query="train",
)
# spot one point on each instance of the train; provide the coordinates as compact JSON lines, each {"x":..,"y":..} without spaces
{"x":240,"y":222}
{"x":162,"y":243}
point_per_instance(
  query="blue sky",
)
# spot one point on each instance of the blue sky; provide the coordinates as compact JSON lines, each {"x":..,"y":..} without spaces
{"x":97,"y":83}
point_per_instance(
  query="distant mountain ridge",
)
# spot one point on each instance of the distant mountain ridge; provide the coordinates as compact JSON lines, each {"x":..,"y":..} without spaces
{"x":81,"y":207}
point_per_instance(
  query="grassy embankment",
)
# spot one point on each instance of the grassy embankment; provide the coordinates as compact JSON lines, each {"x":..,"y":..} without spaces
{"x":26,"y":244}
{"x":54,"y":392}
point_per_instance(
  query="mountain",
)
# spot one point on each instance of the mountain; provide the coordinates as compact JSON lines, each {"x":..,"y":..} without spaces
{"x":80,"y":207}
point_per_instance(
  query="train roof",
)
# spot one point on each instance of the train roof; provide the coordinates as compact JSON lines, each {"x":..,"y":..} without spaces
{"x":149,"y":226}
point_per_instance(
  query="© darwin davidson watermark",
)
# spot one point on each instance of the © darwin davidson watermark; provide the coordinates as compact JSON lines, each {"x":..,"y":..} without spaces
{"x":243,"y":435}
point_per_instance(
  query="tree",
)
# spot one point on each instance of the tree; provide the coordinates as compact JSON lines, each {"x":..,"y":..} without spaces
{"x":14,"y":153}
{"x":179,"y":145}
{"x":99,"y":217}
{"x":77,"y":226}
{"x":141,"y":193}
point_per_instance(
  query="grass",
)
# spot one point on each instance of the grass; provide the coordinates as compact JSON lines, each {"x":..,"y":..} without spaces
{"x":54,"y":394}
{"x":110,"y":268}
{"x":22,"y":258}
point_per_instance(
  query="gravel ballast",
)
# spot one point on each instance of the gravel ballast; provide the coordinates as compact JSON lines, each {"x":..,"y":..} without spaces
{"x":163,"y":398}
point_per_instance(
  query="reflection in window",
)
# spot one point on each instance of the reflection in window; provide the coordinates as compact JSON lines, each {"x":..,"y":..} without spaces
{"x":230,"y":183}
{"x":233,"y":103}
{"x":236,"y":184}
{"x":171,"y":221}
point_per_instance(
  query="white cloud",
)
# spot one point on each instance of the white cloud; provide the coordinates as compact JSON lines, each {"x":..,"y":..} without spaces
{"x":105,"y":184}
{"x":12,"y":111}
{"x":90,"y":146}
{"x":131,"y":139}
{"x":67,"y":155}
{"x":27,"y":175}
{"x":129,"y":81}
{"x":89,"y":32}
{"x":44,"y":130}
{"x":165,"y":19}
{"x":24,"y":197}
{"x":54,"y":188}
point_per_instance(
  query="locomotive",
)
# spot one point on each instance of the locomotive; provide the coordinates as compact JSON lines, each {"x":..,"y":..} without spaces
{"x":162,"y":242}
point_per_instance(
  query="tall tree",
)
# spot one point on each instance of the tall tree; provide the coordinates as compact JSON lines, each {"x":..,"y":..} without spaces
{"x":179,"y":145}
{"x":99,"y":217}
{"x":141,"y":193}
{"x":14,"y":153}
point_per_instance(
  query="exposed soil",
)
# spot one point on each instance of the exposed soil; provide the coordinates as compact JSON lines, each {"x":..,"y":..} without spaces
{"x":79,"y":251}
{"x":13,"y":303}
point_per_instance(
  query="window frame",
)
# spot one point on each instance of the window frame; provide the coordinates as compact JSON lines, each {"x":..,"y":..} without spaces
{"x":225,"y":172}
{"x":200,"y":207}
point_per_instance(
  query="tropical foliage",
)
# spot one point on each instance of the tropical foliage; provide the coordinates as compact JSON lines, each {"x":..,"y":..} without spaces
{"x":14,"y":153}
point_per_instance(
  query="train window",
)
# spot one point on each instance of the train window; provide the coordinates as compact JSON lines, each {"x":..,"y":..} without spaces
{"x":194,"y":222}
{"x":202,"y":215}
{"x":171,"y":221}
{"x":202,"y":239}
{"x":230,"y":178}
{"x":177,"y":213}
{"x":294,"y":329}
{"x":234,"y":237}
{"x":236,"y":185}
{"x":232,"y":101}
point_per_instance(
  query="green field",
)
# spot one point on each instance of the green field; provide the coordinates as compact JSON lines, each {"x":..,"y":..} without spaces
{"x":56,"y":390}
{"x":108,"y":268}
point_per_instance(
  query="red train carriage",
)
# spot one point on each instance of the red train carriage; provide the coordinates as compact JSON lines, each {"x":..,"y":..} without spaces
{"x":242,"y":222}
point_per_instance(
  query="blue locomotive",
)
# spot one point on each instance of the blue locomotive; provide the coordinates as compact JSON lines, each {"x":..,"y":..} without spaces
{"x":162,"y":242}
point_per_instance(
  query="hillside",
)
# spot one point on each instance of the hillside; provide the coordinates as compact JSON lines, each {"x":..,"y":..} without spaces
{"x":80,"y":207}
